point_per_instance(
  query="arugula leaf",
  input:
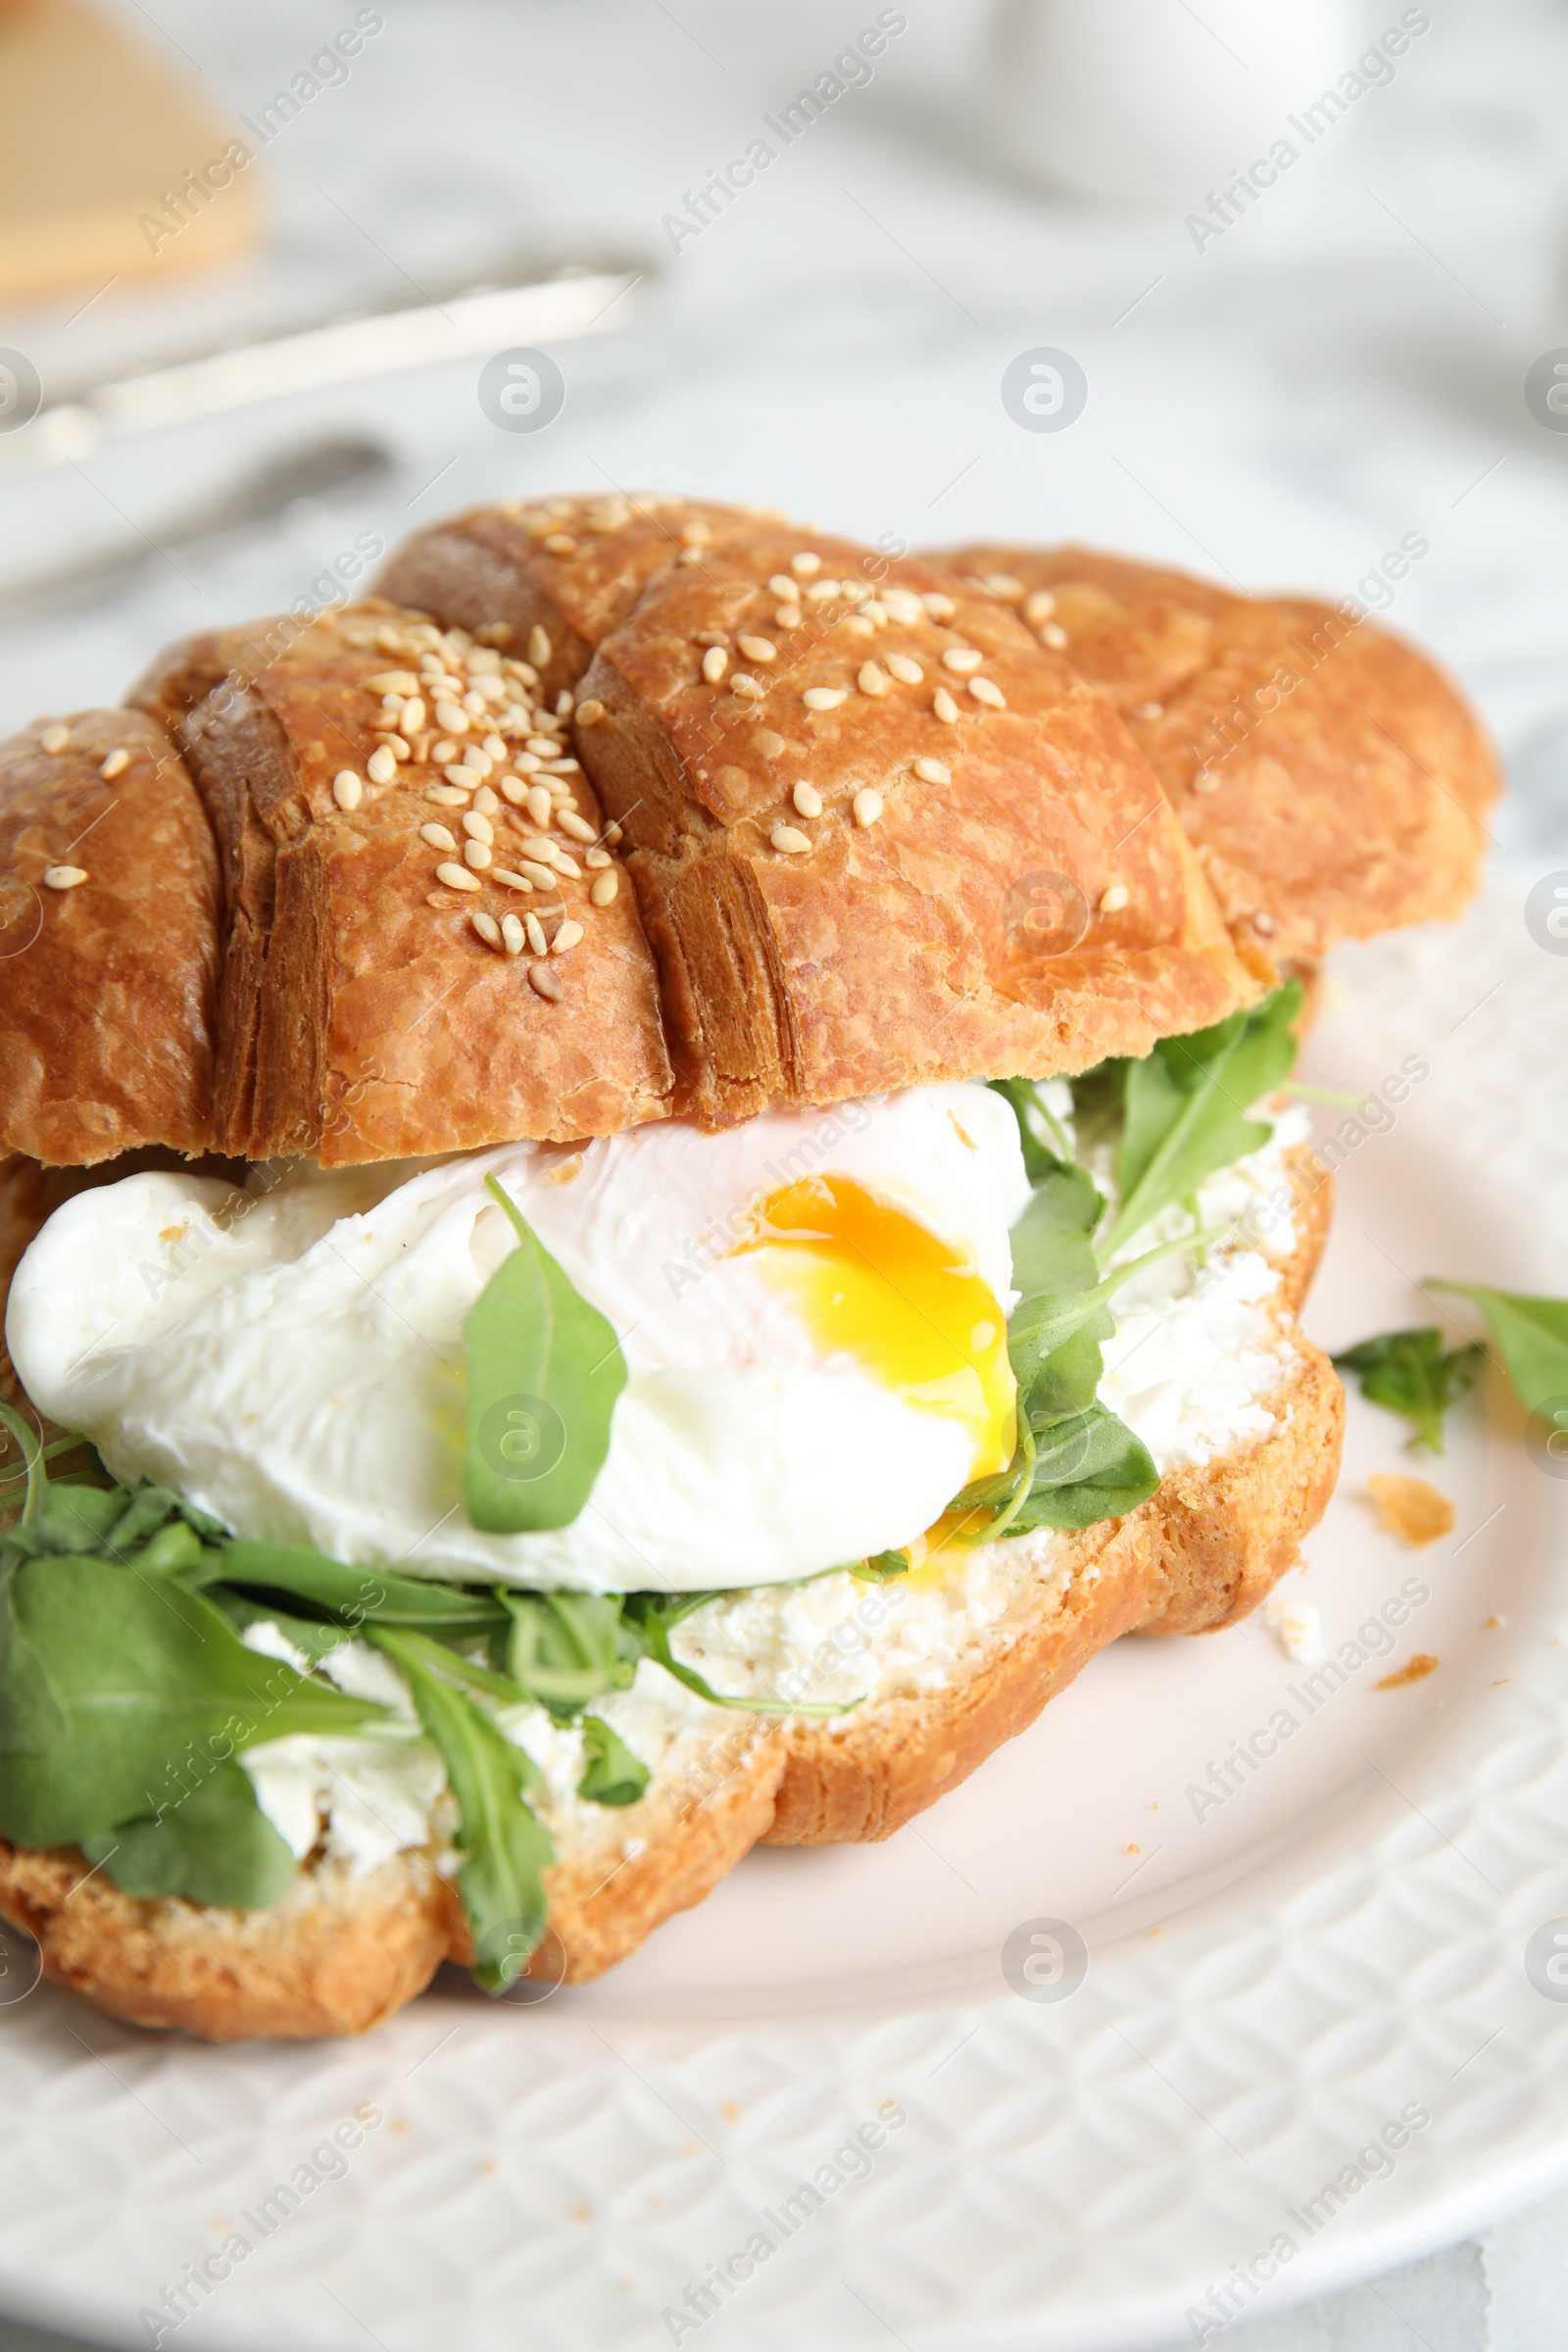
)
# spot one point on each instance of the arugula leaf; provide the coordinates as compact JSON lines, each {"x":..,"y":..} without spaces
{"x":214,"y":1845}
{"x":1051,"y":1256}
{"x":355,"y":1596}
{"x":33,"y":1722}
{"x":1186,"y":1106}
{"x":507,"y":1847}
{"x":1038,"y":1326}
{"x":1532,"y":1333}
{"x":1030,"y":1111}
{"x":615,"y":1776}
{"x":568,"y":1647}
{"x":155,"y":1687}
{"x":652,"y":1617}
{"x":1087,"y":1467}
{"x":880,"y":1566}
{"x":1409,"y":1373}
{"x":544,"y":1372}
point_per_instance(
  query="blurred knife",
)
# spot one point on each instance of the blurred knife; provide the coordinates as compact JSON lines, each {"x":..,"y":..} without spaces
{"x":460,"y":325}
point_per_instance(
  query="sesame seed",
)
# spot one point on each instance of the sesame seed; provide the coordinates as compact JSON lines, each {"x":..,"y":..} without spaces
{"x":876,"y":613}
{"x":715,"y":663}
{"x":576,"y":826}
{"x":446,"y":796}
{"x":457,"y":877}
{"x":1264,"y":924}
{"x":987,"y":691}
{"x":1206,"y":780}
{"x":943,"y":707}
{"x":488,"y":928}
{"x":867,"y":807}
{"x":1002,"y":584}
{"x":543,"y":747}
{"x":513,"y":789}
{"x":824,"y":698}
{"x":695,"y":534}
{"x":536,"y":800}
{"x":513,"y":938}
{"x":504,"y":873}
{"x":757,"y":648}
{"x":903,"y":604}
{"x":750,"y":689}
{"x":594,"y":860}
{"x":871,"y":679}
{"x":590,"y":713}
{"x":790,"y":839}
{"x":854,"y":626}
{"x":768,"y":743}
{"x":823,"y":591}
{"x":932,"y":771}
{"x":473,"y":703}
{"x":908,"y":673}
{"x":347,"y":788}
{"x":115,"y":765}
{"x":536,"y":935}
{"x":563,"y":767}
{"x":538,"y":647}
{"x":560,"y":543}
{"x":437,"y":836}
{"x":484,"y":800}
{"x":543,"y":877}
{"x":782,"y":585}
{"x":603,"y":888}
{"x":542,"y":980}
{"x":476,"y":760}
{"x":463,"y":779}
{"x":395,"y":745}
{"x":962,"y":658}
{"x":940,"y":608}
{"x":393,"y":681}
{"x":1114,"y":899}
{"x":476,"y":854}
{"x":495,"y":748}
{"x":452,"y":717}
{"x":382,"y":764}
{"x":64,"y":877}
{"x":1054,"y":635}
{"x":441,"y":751}
{"x":1038,"y":607}
{"x":808,"y":799}
{"x":804,"y":565}
{"x":788,"y":617}
{"x":56,"y":739}
{"x":477,"y":828}
{"x":1148,"y":710}
{"x":565,"y":864}
{"x":568,"y":935}
{"x":612,"y":833}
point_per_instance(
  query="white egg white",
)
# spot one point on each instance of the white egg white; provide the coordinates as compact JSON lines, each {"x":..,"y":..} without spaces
{"x":292,"y":1359}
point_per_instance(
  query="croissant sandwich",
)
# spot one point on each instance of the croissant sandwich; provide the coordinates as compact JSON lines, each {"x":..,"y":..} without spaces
{"x":649,"y":1187}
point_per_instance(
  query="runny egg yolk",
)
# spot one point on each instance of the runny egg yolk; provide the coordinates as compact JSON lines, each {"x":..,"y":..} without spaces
{"x":872,"y":1284}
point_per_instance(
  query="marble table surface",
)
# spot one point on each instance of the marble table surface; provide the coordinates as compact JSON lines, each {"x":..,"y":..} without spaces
{"x":1277,"y":405}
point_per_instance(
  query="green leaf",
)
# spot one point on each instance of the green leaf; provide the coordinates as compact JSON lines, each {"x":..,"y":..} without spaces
{"x":1043,"y":1139}
{"x":1533,"y":1335}
{"x":568,"y":1647}
{"x":213,"y":1846}
{"x":33,"y":1722}
{"x":880,"y":1567}
{"x":354,"y":1596}
{"x":1041,"y":1324}
{"x":544,"y":1372}
{"x":1408,"y":1372}
{"x":506,"y":1847}
{"x":1053,"y":1257}
{"x":1087,"y":1468}
{"x":156,"y":1689}
{"x":615,"y":1776}
{"x":1186,"y":1106}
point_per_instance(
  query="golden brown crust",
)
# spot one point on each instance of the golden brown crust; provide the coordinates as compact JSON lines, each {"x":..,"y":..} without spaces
{"x":1334,"y":780}
{"x":362,"y":1014}
{"x":570,"y":566}
{"x":1202,"y":1553}
{"x":896,"y":952}
{"x":342,"y":1952}
{"x":337,"y":1955}
{"x":107,"y":990}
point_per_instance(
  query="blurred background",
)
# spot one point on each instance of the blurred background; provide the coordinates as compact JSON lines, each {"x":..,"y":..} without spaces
{"x":1274,"y":290}
{"x":1304,"y":255}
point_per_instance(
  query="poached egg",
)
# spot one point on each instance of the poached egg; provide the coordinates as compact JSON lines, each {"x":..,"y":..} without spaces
{"x":813,"y":1307}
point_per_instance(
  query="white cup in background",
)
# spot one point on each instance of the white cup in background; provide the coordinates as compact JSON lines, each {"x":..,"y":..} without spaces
{"x":1151,"y":99}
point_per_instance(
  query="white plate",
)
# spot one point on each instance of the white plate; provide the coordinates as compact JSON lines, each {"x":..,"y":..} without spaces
{"x":1269,"y":1984}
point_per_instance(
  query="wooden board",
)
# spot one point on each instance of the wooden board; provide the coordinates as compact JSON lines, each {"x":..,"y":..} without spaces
{"x":96,"y":134}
